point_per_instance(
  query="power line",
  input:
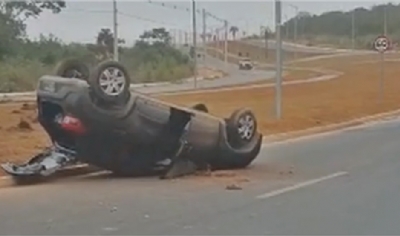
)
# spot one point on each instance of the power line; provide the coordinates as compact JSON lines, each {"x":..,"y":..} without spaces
{"x":86,"y":10}
{"x":172,"y":6}
{"x":146,"y":19}
{"x":186,"y":9}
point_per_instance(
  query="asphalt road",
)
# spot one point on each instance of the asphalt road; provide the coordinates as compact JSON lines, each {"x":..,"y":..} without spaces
{"x":293,"y":47}
{"x":234,"y":77}
{"x":341,"y":184}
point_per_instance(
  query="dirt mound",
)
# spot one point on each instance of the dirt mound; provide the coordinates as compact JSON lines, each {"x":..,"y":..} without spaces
{"x":28,"y":107}
{"x":22,"y":125}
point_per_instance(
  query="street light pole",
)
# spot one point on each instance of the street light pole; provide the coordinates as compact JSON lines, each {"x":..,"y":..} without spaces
{"x":295,"y":22}
{"x":287,"y":28}
{"x":295,"y":26}
{"x":226,"y":43}
{"x":115,"y":13}
{"x":278,"y":77}
{"x":353,"y":29}
{"x":204,"y":34}
{"x":194,"y":44}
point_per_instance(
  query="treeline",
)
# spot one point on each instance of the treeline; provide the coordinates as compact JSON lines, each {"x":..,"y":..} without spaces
{"x":336,"y":26}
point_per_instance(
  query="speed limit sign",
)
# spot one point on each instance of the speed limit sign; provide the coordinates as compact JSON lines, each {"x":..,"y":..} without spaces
{"x":382,"y":44}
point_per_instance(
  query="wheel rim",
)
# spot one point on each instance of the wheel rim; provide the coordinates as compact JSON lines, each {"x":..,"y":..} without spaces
{"x":112,"y":81}
{"x":246,"y":127}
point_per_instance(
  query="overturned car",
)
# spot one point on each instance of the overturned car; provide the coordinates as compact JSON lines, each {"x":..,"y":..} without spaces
{"x":94,"y":118}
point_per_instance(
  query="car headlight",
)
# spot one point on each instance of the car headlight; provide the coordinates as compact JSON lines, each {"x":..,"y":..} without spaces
{"x":48,"y":86}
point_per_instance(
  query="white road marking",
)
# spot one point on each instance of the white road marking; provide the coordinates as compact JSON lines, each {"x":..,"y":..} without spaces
{"x":300,"y":185}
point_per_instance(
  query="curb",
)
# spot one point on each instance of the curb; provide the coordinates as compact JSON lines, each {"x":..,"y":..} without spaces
{"x":288,"y":136}
{"x":332,"y":127}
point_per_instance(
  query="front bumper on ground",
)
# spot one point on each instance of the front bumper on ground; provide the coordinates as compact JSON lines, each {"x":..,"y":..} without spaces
{"x":43,"y":164}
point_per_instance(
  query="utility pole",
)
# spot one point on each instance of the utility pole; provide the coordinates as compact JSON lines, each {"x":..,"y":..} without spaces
{"x":295,"y":26}
{"x":204,"y":34}
{"x":287,"y":28}
{"x":186,"y":37}
{"x":115,"y":13}
{"x":278,"y":77}
{"x":180,"y":37}
{"x":194,"y":43}
{"x":353,"y":29}
{"x":217,"y":43}
{"x":265,"y":32}
{"x":226,"y":43}
{"x":385,"y":20}
{"x":173,"y":37}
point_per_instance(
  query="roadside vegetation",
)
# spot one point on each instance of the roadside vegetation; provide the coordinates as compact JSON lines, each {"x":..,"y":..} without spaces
{"x":334,"y":28}
{"x":23,"y":61}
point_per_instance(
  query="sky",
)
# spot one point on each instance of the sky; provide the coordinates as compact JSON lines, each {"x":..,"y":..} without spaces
{"x":80,"y":21}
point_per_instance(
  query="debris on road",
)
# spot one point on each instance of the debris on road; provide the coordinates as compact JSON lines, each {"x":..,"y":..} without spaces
{"x":233,"y":187}
{"x":28,"y":106}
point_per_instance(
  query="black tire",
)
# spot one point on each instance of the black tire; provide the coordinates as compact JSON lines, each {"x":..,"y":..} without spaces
{"x":114,"y":97}
{"x":72,"y":68}
{"x":200,"y":107}
{"x":246,"y":119}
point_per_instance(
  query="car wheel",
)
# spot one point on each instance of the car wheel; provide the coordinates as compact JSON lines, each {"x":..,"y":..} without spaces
{"x":241,"y":127}
{"x":110,"y":83}
{"x":72,"y":68}
{"x":200,"y":107}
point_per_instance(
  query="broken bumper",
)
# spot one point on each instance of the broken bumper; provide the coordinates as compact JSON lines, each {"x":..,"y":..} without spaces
{"x":43,"y":164}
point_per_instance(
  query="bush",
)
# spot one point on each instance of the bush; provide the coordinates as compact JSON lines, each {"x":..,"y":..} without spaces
{"x":19,"y":74}
{"x":29,"y":60}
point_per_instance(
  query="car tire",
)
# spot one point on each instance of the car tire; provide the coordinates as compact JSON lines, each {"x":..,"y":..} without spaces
{"x":72,"y":68}
{"x":116,"y":91}
{"x":200,"y":107}
{"x":241,"y":127}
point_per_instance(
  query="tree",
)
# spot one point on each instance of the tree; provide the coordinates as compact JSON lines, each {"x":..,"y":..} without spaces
{"x":29,"y":8}
{"x":233,"y":30}
{"x":368,"y":22}
{"x":160,"y":35}
{"x":104,"y":46}
{"x":12,"y":20}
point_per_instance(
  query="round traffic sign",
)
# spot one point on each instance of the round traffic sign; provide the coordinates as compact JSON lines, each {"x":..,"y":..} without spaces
{"x":382,"y":44}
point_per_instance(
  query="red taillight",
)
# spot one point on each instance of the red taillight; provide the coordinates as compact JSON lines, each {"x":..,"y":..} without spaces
{"x":72,"y":125}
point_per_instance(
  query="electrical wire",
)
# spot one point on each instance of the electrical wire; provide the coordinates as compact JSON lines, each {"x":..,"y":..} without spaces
{"x":186,"y":9}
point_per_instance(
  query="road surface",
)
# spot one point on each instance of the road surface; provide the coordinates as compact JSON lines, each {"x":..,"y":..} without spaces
{"x":234,"y":77}
{"x":291,"y":47}
{"x":345,"y":183}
